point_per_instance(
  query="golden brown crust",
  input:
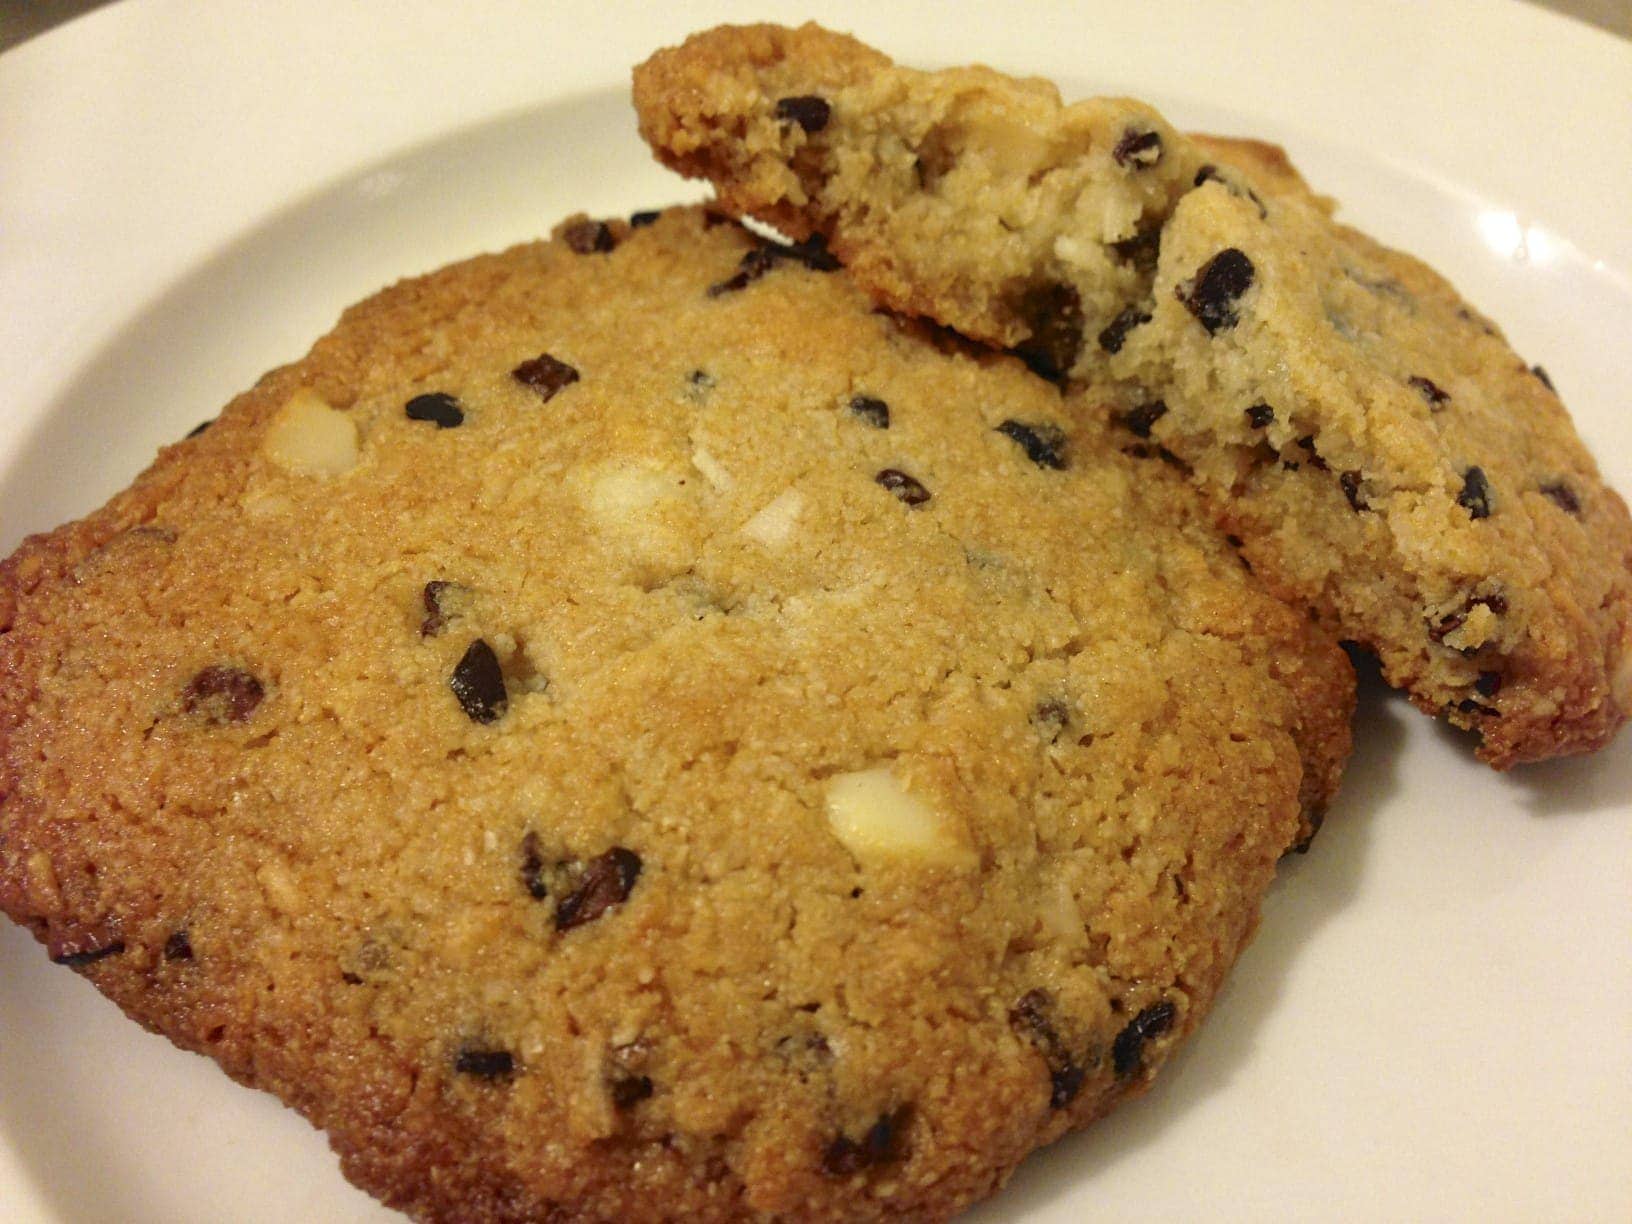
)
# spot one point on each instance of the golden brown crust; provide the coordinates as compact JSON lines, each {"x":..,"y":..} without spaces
{"x":243,"y":795}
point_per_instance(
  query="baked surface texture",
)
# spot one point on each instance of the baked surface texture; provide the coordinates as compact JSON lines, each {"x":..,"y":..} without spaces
{"x":1384,"y":456}
{"x":624,"y":730}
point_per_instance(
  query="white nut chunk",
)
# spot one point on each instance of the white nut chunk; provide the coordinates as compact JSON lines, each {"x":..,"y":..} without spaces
{"x":773,"y":525}
{"x":309,"y":438}
{"x":878,"y":819}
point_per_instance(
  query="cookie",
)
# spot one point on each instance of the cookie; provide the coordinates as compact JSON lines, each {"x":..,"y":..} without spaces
{"x":1384,"y":456}
{"x":623,"y":730}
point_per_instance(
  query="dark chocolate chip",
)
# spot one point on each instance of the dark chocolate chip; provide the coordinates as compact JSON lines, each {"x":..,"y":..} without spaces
{"x":1307,"y":445}
{"x":759,"y":260}
{"x":478,"y":683}
{"x":903,"y":486}
{"x":1260,"y":416}
{"x":750,"y":268}
{"x":1116,"y":332}
{"x":1052,"y":314}
{"x":630,"y":1090}
{"x":1140,"y":251}
{"x":642,"y":219}
{"x":1447,"y":625}
{"x":589,"y":237}
{"x":1431,"y":391}
{"x":70,"y":955}
{"x":350,"y":978}
{"x":1475,"y":497}
{"x":1469,"y":706}
{"x":846,"y":1156}
{"x":222,"y":694}
{"x":1317,"y":817}
{"x":1137,"y":150}
{"x":203,"y":425}
{"x":812,"y":252}
{"x":179,"y":947}
{"x":1044,"y":444}
{"x":1139,"y":421}
{"x":1350,"y":481}
{"x":807,"y":110}
{"x":484,"y":1063}
{"x":1065,"y":1075}
{"x":437,"y":407}
{"x":1127,"y":1051}
{"x":1488,"y":683}
{"x":545,"y":375}
{"x":1563,"y":496}
{"x":1213,"y":294}
{"x":606,"y":881}
{"x":1051,"y":717}
{"x":532,"y":868}
{"x":698,"y":385}
{"x":1539,"y":373}
{"x":870,"y":410}
{"x":1064,"y":1083}
{"x":436,"y":616}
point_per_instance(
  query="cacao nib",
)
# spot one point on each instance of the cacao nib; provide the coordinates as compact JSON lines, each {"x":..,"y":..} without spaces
{"x":630,"y":1090}
{"x":1431,"y":391}
{"x":846,"y":1156}
{"x":1053,"y":314}
{"x":478,"y":683}
{"x":870,"y":410}
{"x":532,"y":868}
{"x":1350,"y":482}
{"x":1139,"y":421}
{"x":484,"y":1063}
{"x":1116,"y":332}
{"x":1043,"y":444}
{"x":179,"y":947}
{"x":606,"y":881}
{"x":1215,"y":292}
{"x":438,"y":407}
{"x":1137,"y":150}
{"x":545,"y":374}
{"x":74,"y":955}
{"x":436,"y":617}
{"x":589,"y":237}
{"x":222,"y":694}
{"x":1475,"y":497}
{"x":1563,"y":497}
{"x":903,"y":486}
{"x":1127,"y":1051}
{"x":807,"y":110}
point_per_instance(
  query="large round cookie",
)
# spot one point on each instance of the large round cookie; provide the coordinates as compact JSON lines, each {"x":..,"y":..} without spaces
{"x":624,"y":731}
{"x":1385,"y":457}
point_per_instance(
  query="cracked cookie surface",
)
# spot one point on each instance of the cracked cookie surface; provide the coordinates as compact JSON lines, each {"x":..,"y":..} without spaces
{"x":1384,"y":456}
{"x":607,"y":746}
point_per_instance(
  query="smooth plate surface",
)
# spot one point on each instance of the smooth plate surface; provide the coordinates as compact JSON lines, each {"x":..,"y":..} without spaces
{"x":1435,"y":1022}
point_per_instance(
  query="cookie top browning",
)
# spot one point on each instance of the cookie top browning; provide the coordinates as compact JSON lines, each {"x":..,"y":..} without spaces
{"x":1385,"y":457}
{"x":623,"y":730}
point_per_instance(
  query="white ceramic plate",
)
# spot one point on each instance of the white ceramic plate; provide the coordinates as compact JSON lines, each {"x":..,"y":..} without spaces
{"x":1436,"y":1020}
